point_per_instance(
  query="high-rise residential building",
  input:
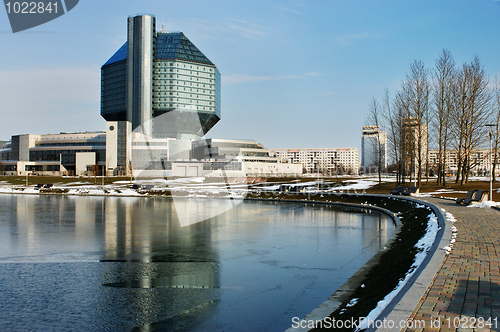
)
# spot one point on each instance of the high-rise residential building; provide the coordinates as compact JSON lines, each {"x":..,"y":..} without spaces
{"x":373,"y":148}
{"x":160,"y":73}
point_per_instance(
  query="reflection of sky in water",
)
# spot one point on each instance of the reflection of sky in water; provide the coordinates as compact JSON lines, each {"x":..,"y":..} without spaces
{"x":119,"y":263}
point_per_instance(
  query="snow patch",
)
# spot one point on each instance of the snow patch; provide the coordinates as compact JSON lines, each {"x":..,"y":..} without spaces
{"x":487,"y":204}
{"x":351,"y":303}
{"x":454,"y":232}
{"x":356,"y":185}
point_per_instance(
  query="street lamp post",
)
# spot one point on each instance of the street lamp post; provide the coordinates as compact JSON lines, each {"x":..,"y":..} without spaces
{"x":491,"y":166}
{"x":415,"y":171}
{"x":490,"y":125}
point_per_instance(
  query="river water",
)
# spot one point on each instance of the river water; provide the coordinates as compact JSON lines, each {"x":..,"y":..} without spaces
{"x":125,"y":263}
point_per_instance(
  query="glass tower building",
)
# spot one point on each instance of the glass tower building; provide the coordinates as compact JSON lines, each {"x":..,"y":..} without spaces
{"x":161,"y":83}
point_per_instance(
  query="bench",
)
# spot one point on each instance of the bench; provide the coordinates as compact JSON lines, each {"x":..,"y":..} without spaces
{"x":411,"y":190}
{"x":398,"y":191}
{"x":473,"y":196}
{"x":143,"y":186}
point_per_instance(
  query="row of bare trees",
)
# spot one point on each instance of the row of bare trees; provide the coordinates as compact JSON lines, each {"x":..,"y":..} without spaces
{"x":448,"y":107}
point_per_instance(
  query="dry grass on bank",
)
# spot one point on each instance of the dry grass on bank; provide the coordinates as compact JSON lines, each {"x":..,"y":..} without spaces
{"x":35,"y":179}
{"x":452,"y":189}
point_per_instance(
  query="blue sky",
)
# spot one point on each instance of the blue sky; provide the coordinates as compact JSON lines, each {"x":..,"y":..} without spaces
{"x":295,"y":73}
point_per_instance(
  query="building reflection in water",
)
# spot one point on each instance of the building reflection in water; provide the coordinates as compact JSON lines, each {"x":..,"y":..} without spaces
{"x":176,"y":268}
{"x":154,"y":267}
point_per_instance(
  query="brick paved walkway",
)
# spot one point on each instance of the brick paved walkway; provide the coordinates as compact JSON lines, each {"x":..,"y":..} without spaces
{"x":465,"y":293}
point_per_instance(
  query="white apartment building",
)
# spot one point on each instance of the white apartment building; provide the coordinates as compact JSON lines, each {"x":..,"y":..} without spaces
{"x":327,"y":161}
{"x":480,"y":161}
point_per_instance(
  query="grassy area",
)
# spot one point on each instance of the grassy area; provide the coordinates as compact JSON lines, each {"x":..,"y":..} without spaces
{"x":431,"y":187}
{"x":384,"y":188}
{"x":33,"y":179}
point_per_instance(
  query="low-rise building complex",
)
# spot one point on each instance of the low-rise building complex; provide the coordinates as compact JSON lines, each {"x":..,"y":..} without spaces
{"x":326,"y":161}
{"x":480,"y":162}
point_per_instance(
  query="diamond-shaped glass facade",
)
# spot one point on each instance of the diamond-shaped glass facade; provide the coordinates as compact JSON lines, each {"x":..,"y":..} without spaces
{"x":184,"y":79}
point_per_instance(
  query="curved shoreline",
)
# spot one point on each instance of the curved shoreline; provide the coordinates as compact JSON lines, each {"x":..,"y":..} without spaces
{"x":345,"y":291}
{"x":401,"y":307}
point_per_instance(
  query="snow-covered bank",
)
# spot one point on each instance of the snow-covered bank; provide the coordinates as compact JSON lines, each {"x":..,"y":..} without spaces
{"x":88,"y":191}
{"x":424,"y":245}
{"x":187,"y":187}
{"x":356,"y":185}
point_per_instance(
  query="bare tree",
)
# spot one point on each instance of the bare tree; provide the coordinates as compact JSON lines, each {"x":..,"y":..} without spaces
{"x":470,"y":114}
{"x":416,"y":91}
{"x":444,"y":73}
{"x":495,"y":116}
{"x":393,"y":113}
{"x":378,"y":142}
{"x":462,"y":103}
{"x":459,"y":118}
{"x":406,"y":151}
{"x":427,"y":139}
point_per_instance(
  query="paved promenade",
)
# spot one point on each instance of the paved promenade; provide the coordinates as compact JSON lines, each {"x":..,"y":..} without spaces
{"x":465,"y":293}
